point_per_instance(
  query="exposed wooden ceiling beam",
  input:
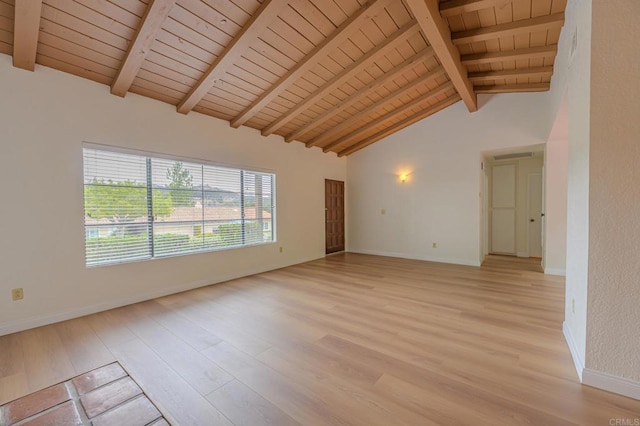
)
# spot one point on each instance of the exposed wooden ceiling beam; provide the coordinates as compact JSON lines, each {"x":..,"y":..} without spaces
{"x":535,"y":72}
{"x":436,"y":30}
{"x":432,"y":75}
{"x":25,"y":33}
{"x":514,"y":88}
{"x":339,"y":36}
{"x":405,"y":66}
{"x":510,"y":55}
{"x":155,"y":15}
{"x":512,"y":28}
{"x":389,"y":116}
{"x":457,"y":7}
{"x":258,"y":23}
{"x":400,"y":125}
{"x":342,"y":77}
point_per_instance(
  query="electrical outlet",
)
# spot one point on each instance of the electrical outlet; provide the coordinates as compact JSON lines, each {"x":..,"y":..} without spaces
{"x":17,"y":294}
{"x":573,"y":306}
{"x":434,"y":245}
{"x":281,"y":249}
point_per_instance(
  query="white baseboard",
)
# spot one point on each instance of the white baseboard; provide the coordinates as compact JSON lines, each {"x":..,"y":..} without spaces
{"x":573,"y":348}
{"x":413,"y":256}
{"x":611,"y":383}
{"x":37,"y":321}
{"x":523,"y":254}
{"x":555,"y":271}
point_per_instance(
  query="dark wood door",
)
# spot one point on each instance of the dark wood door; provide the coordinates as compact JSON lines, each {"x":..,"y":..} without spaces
{"x":334,"y":215}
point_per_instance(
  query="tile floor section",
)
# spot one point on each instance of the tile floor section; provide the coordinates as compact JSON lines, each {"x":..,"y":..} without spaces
{"x":106,"y":396}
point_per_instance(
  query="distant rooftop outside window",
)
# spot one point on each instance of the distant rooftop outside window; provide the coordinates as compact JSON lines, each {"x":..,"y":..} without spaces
{"x":141,"y":207}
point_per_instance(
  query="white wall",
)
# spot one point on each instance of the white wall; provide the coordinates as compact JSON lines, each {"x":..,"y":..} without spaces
{"x":603,"y":227}
{"x":556,"y":163}
{"x":45,"y":116}
{"x":574,"y":79}
{"x":613,"y":322}
{"x":441,"y":201}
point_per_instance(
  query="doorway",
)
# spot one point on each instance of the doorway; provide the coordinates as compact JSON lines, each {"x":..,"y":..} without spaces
{"x":514,"y":203}
{"x":334,"y":215}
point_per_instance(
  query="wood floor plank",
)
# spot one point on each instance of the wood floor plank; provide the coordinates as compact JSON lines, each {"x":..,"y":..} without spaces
{"x":84,"y":348}
{"x":109,"y":328}
{"x":13,"y":376}
{"x":176,"y":399}
{"x":447,"y":393}
{"x":12,"y":359}
{"x":185,"y":330}
{"x":342,"y":395}
{"x":201,"y":373}
{"x":328,"y":362}
{"x":432,"y":406}
{"x":244,"y":407}
{"x":277,"y":328}
{"x":13,"y":386}
{"x":46,"y":359}
{"x":298,"y":402}
{"x":206,"y":315}
{"x":349,"y":339}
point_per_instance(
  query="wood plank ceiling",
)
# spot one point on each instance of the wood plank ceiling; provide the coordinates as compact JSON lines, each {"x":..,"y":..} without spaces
{"x":334,"y":74}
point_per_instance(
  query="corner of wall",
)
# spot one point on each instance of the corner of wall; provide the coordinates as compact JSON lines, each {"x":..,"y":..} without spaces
{"x":555,"y":271}
{"x":572,"y":75}
{"x":573,"y":348}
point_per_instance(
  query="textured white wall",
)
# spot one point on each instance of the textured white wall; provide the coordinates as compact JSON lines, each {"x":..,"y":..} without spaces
{"x":45,"y":116}
{"x":573,"y":79}
{"x":613,"y":322}
{"x":603,"y":227}
{"x":440,"y":202}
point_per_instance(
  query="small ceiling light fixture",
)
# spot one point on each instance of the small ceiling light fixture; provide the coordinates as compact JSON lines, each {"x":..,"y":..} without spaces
{"x":404,"y":177}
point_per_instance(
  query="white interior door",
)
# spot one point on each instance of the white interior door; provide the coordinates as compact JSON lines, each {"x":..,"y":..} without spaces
{"x":535,"y":214}
{"x":503,"y":209}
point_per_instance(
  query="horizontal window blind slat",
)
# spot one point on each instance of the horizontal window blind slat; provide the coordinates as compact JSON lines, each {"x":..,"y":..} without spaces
{"x":140,"y":207}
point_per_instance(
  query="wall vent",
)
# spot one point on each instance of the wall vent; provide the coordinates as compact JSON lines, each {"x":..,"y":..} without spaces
{"x":512,"y":156}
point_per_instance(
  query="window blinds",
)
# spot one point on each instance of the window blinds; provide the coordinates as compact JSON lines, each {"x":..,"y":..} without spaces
{"x":139,"y":207}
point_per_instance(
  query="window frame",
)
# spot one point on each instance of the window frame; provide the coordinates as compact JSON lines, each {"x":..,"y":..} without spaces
{"x":149,"y":156}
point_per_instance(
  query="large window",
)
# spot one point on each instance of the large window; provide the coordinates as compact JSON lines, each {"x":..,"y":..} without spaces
{"x":141,"y":207}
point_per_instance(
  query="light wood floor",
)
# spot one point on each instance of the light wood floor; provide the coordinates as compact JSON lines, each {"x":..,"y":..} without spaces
{"x":346,"y":340}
